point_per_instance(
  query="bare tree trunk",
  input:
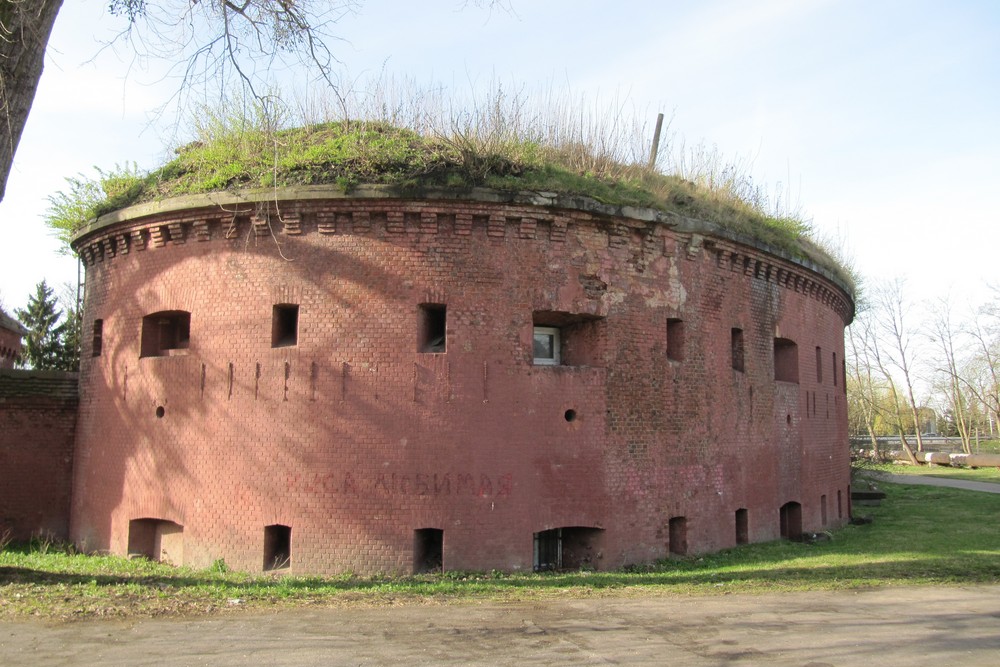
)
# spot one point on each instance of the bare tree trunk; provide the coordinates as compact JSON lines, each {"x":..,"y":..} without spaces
{"x":877,"y":355}
{"x":892,"y":312}
{"x":944,"y":334}
{"x":989,"y":392}
{"x":861,"y":369}
{"x":25,"y":26}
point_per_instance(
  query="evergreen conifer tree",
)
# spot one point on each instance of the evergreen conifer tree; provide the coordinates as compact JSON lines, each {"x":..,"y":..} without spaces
{"x":44,"y":348}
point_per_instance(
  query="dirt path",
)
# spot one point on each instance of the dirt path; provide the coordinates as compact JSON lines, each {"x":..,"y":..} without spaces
{"x":889,"y":628}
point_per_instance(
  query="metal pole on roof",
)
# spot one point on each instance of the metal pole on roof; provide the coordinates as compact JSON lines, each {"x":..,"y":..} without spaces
{"x":656,"y":142}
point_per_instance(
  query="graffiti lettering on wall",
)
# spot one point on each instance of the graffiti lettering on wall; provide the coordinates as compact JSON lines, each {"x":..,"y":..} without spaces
{"x":404,"y":484}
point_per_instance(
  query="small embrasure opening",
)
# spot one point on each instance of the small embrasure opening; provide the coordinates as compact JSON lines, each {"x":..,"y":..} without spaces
{"x":675,"y":339}
{"x":736,"y":345}
{"x":98,"y":341}
{"x":164,"y":333}
{"x":678,"y":536}
{"x":433,"y":328}
{"x":786,"y":360}
{"x":277,"y":547}
{"x":428,"y":550}
{"x":285,"y":325}
{"x":742,"y":526}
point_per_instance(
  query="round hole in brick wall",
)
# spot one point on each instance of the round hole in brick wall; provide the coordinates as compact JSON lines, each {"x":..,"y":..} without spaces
{"x":570,"y":415}
{"x":160,"y":412}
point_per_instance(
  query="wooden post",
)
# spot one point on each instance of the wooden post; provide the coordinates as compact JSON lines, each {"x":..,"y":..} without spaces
{"x":656,"y":142}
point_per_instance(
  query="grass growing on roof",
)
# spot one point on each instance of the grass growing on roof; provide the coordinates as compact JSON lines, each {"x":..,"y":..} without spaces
{"x":920,"y":536}
{"x":498,"y":144}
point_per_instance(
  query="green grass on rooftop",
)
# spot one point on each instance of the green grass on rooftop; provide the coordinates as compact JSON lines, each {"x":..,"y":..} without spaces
{"x":239,"y":151}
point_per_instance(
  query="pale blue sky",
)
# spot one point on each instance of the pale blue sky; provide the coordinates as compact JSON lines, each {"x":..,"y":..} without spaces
{"x":879,"y":116}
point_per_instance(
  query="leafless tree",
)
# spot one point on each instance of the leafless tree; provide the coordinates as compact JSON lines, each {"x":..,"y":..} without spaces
{"x":862,"y":384}
{"x":982,"y":373}
{"x":943,"y":335}
{"x":210,"y":42}
{"x":893,"y":354}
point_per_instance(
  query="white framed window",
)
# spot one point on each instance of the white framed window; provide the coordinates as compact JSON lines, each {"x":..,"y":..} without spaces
{"x":546,"y":346}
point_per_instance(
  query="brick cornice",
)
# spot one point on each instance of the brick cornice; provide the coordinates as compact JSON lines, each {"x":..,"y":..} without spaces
{"x":327,"y":210}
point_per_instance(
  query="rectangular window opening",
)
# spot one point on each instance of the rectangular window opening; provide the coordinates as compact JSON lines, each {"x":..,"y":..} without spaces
{"x":840,"y":505}
{"x":568,"y":548}
{"x":742,"y":526}
{"x":834,"y":369}
{"x":433,"y":328}
{"x":285,"y":325}
{"x":428,"y":550}
{"x":548,"y":550}
{"x":675,"y":339}
{"x":567,"y":339}
{"x":277,"y":547}
{"x":678,"y":536}
{"x":736,"y":340}
{"x":786,"y":360}
{"x":98,"y":345}
{"x":822,"y":508}
{"x":819,"y":365}
{"x":166,"y":333}
{"x":546,"y":346}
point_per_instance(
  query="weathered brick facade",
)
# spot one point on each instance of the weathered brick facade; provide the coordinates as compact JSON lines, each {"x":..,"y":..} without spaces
{"x":37,"y":422}
{"x":301,"y":410}
{"x":11,"y":333}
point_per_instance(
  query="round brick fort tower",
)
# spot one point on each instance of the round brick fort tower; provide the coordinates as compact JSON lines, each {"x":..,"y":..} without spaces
{"x":387,"y":383}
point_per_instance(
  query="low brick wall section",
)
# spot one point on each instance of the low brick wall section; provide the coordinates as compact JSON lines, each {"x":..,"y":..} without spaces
{"x":37,"y":429}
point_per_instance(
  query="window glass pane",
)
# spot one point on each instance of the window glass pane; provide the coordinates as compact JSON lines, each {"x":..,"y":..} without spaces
{"x":544,"y":346}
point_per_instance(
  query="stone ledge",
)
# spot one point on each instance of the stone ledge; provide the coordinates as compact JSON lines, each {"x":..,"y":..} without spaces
{"x":56,"y":384}
{"x":579,"y":203}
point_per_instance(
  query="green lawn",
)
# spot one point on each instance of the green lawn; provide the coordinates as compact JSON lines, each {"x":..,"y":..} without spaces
{"x":920,"y":535}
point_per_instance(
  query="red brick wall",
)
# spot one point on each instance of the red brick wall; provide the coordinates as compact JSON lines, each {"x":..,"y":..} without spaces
{"x":10,"y":346}
{"x":355,"y":439}
{"x":37,"y":422}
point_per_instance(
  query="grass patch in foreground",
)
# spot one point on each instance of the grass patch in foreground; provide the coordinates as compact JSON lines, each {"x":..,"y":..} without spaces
{"x":920,"y":536}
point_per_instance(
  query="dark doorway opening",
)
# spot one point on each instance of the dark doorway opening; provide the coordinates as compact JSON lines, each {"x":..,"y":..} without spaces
{"x":791,"y":521}
{"x":156,"y":539}
{"x":277,"y":547}
{"x":742,"y":526}
{"x":678,"y":545}
{"x":428,"y":550}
